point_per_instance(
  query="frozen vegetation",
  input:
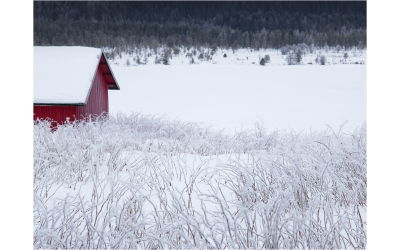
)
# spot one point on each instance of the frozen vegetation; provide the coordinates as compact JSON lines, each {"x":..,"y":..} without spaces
{"x":146,"y":182}
{"x":208,"y":55}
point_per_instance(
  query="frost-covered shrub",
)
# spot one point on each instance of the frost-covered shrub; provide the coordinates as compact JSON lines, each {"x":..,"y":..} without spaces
{"x":142,"y":182}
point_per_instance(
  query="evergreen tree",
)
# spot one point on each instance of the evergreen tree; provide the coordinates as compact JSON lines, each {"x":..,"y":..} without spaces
{"x":322,"y":61}
{"x":170,"y":42}
{"x":201,"y":56}
{"x":176,"y":51}
{"x":298,"y":56}
{"x":361,"y":45}
{"x":345,"y":55}
{"x":214,"y":48}
{"x":165,"y":58}
{"x":235,"y":45}
{"x":157,"y":60}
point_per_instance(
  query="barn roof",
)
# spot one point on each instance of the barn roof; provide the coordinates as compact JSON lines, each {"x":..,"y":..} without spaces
{"x":64,"y":75}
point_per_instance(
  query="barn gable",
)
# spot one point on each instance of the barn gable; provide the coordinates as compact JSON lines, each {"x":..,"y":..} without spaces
{"x":71,"y":82}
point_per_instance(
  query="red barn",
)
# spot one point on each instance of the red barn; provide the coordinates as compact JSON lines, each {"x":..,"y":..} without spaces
{"x":70,"y":82}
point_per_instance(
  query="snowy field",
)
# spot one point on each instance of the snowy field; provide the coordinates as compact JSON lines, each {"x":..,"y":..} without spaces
{"x":233,"y":94}
{"x":139,"y":180}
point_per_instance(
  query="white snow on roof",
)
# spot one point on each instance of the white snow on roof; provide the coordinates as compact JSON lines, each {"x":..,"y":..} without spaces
{"x":63,"y":74}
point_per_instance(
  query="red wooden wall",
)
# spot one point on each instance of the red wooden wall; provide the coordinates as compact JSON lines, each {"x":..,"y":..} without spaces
{"x":55,"y":113}
{"x":97,"y":102}
{"x":98,"y":97}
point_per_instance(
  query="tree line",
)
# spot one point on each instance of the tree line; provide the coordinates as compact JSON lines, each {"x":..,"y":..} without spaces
{"x":255,"y":25}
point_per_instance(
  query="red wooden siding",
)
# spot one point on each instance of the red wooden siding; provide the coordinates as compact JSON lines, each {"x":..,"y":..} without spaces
{"x":98,"y":97}
{"x":56,"y":113}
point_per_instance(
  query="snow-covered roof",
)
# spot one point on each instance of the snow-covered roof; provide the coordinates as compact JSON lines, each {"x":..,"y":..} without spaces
{"x":63,"y":75}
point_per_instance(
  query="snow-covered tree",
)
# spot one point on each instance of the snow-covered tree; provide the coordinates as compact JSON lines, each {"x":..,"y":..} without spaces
{"x":326,"y":48}
{"x":235,"y":46}
{"x":214,"y":48}
{"x":298,"y":56}
{"x":165,"y":58}
{"x":361,"y":45}
{"x":146,"y":59}
{"x":322,"y":60}
{"x":284,"y":50}
{"x":201,"y":56}
{"x":291,"y":58}
{"x":176,"y":51}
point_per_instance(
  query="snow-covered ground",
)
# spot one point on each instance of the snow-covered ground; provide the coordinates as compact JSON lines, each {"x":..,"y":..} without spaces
{"x":151,"y":182}
{"x":147,"y":183}
{"x":233,"y":93}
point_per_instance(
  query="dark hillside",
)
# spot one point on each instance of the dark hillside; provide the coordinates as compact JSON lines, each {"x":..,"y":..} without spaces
{"x":243,"y":24}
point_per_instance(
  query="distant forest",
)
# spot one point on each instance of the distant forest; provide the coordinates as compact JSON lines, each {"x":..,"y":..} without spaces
{"x":256,"y":25}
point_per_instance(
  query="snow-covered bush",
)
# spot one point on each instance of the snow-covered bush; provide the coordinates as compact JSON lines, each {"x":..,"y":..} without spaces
{"x":141,"y":181}
{"x":322,"y":60}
